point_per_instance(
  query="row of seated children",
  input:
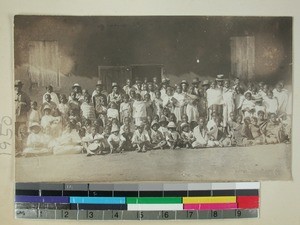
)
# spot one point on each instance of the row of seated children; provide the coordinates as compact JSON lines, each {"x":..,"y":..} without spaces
{"x":160,"y":133}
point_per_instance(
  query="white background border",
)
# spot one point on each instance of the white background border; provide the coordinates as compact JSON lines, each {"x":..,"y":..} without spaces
{"x":279,"y":200}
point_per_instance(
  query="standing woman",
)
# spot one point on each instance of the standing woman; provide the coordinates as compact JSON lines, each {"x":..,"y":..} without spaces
{"x":214,"y":99}
{"x":192,"y":109}
{"x":115,"y":95}
{"x":228,"y":97}
{"x":179,"y":103}
{"x":168,"y":99}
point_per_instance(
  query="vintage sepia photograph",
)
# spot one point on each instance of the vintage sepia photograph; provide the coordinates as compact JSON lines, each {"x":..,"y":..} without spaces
{"x":152,"y":98}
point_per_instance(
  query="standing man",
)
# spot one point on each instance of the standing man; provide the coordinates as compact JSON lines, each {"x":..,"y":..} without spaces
{"x":127,"y":87}
{"x":195,"y":90}
{"x":22,"y":104}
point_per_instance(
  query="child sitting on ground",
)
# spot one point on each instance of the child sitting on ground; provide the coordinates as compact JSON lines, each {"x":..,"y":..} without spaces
{"x":256,"y":132}
{"x":93,"y":142}
{"x":114,"y":140}
{"x":140,"y":138}
{"x":126,"y":138}
{"x":163,"y":126}
{"x":187,"y":136}
{"x":68,"y":143}
{"x":173,"y":137}
{"x":37,"y":142}
{"x":157,"y":138}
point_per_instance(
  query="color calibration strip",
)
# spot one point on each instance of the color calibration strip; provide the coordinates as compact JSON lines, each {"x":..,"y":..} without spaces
{"x":148,"y":201}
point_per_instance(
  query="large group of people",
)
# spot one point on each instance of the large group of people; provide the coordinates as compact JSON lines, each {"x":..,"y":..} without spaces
{"x":152,"y":114}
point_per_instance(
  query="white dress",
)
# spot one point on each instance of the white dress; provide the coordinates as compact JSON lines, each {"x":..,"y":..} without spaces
{"x":229,"y":106}
{"x":179,"y":106}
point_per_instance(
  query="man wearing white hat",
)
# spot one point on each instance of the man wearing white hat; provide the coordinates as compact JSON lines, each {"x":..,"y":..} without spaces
{"x":114,"y":96}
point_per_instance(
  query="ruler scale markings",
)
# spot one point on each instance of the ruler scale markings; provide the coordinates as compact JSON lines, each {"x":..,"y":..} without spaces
{"x":170,"y":201}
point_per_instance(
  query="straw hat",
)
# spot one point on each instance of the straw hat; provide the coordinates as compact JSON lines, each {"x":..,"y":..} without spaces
{"x":171,"y":125}
{"x":184,"y":82}
{"x":220,"y":77}
{"x":75,"y":85}
{"x":183,"y":125}
{"x":114,"y":128}
{"x":154,"y":122}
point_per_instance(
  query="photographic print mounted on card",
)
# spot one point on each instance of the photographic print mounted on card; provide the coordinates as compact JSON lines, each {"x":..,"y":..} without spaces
{"x":152,"y":98}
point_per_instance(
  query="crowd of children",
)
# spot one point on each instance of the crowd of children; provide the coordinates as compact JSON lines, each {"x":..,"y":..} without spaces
{"x":150,"y":115}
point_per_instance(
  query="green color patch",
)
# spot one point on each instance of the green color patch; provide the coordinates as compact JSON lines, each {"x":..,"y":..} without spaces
{"x":154,"y":200}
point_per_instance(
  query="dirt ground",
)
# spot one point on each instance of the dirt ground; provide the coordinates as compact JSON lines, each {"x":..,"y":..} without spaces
{"x":269,"y":162}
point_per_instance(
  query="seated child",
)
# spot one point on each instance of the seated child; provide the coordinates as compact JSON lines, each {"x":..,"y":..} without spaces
{"x":173,"y":137}
{"x":236,"y":131}
{"x":115,"y":140}
{"x":140,"y":138}
{"x":163,"y":126}
{"x":218,"y":136}
{"x":127,"y":123}
{"x":200,"y":134}
{"x":68,"y":143}
{"x":48,"y":121}
{"x":256,"y":132}
{"x":187,"y":136}
{"x":157,"y":138}
{"x":246,"y":132}
{"x":286,"y":122}
{"x":37,"y":142}
{"x":273,"y":130}
{"x":126,"y":138}
{"x":93,"y":142}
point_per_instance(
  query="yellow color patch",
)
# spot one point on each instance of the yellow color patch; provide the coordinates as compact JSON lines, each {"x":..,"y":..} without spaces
{"x":216,"y":199}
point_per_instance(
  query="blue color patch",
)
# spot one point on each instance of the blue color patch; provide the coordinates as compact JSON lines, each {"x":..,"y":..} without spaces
{"x":97,"y":200}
